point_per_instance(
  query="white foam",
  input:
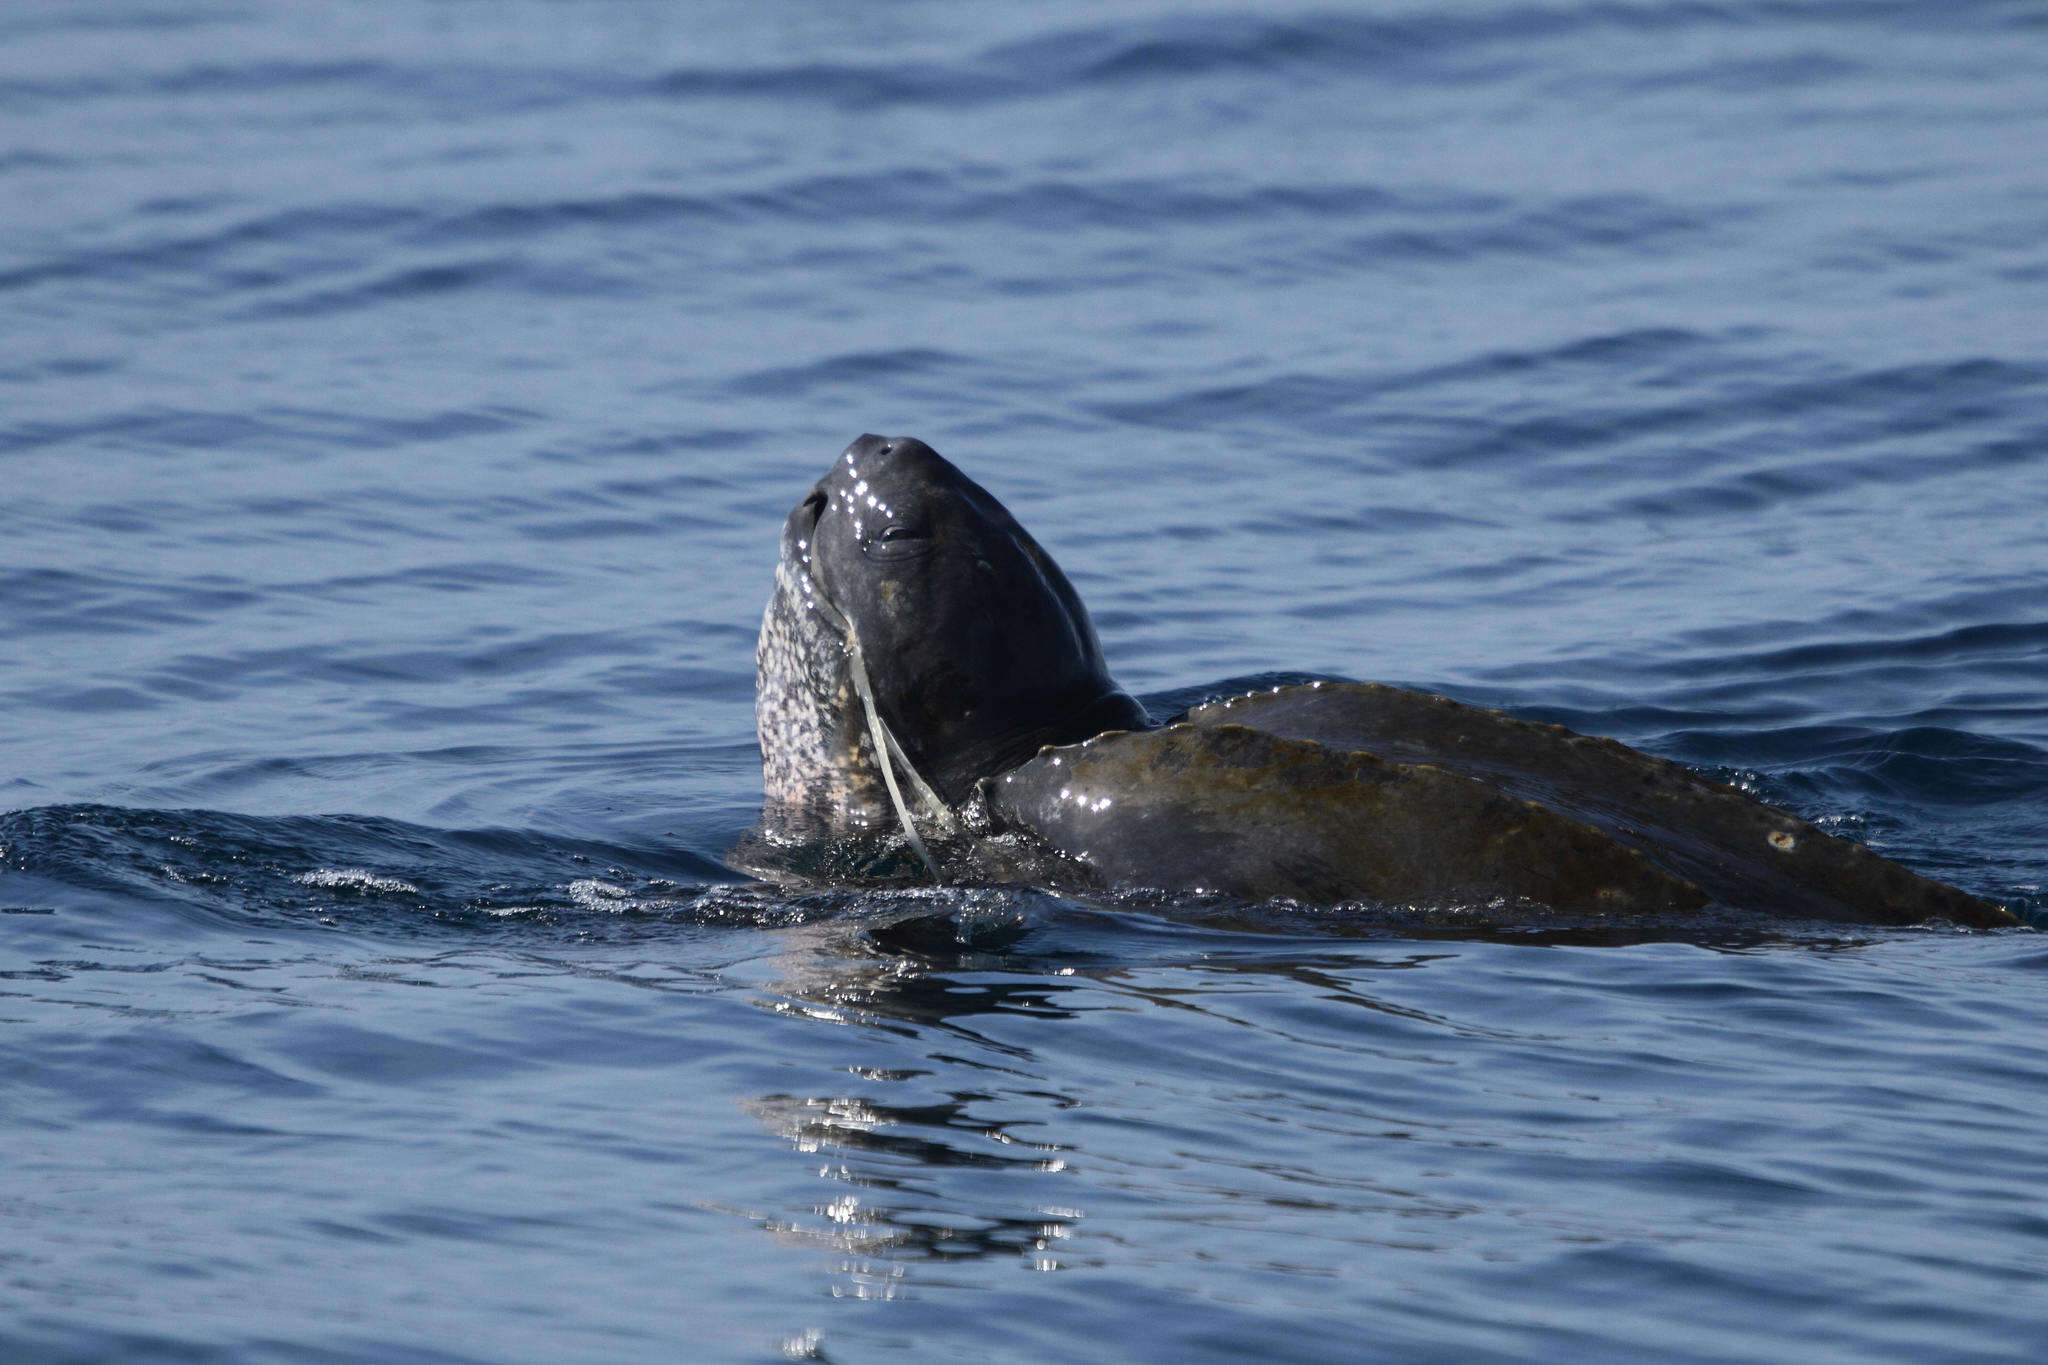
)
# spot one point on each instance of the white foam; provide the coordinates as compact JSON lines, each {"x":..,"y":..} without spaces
{"x":591,"y":894}
{"x":355,"y":879}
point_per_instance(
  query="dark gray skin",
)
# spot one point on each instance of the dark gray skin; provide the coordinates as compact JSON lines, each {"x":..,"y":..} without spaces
{"x":978,"y":649}
{"x":1022,"y":758}
{"x":1337,"y":791}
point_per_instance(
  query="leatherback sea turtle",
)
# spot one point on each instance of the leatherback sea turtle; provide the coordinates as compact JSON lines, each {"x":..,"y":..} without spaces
{"x":930,"y":683}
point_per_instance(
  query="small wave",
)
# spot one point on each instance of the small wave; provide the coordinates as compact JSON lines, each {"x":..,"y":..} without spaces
{"x":1425,"y":43}
{"x":1982,"y":642}
{"x":853,"y":368}
{"x":355,"y":879}
{"x":591,"y":894}
{"x":434,"y":279}
{"x":943,"y":198}
{"x":1339,"y":403}
{"x":59,"y":602}
{"x":362,"y":86}
{"x":217,"y":864}
{"x":324,"y":224}
{"x":271,"y":430}
{"x":1925,"y":765}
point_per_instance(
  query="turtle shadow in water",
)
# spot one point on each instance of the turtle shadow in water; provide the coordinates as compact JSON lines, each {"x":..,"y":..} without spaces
{"x":933,"y":704}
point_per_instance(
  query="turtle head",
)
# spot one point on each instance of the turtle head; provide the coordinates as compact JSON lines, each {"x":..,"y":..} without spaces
{"x":975,"y":648}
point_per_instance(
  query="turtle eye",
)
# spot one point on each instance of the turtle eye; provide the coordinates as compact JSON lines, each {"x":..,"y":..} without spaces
{"x":899,"y":540}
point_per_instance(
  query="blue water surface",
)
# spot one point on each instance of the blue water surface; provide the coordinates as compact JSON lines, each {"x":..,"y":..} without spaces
{"x":399,"y":402}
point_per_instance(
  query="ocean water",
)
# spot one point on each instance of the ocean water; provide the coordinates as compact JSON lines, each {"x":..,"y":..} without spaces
{"x":399,"y":401}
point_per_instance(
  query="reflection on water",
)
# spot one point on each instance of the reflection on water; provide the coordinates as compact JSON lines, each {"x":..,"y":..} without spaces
{"x":941,"y":1173}
{"x":998,"y":1096}
{"x":881,"y":1150}
{"x":923,"y":976}
{"x":919,"y":1092}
